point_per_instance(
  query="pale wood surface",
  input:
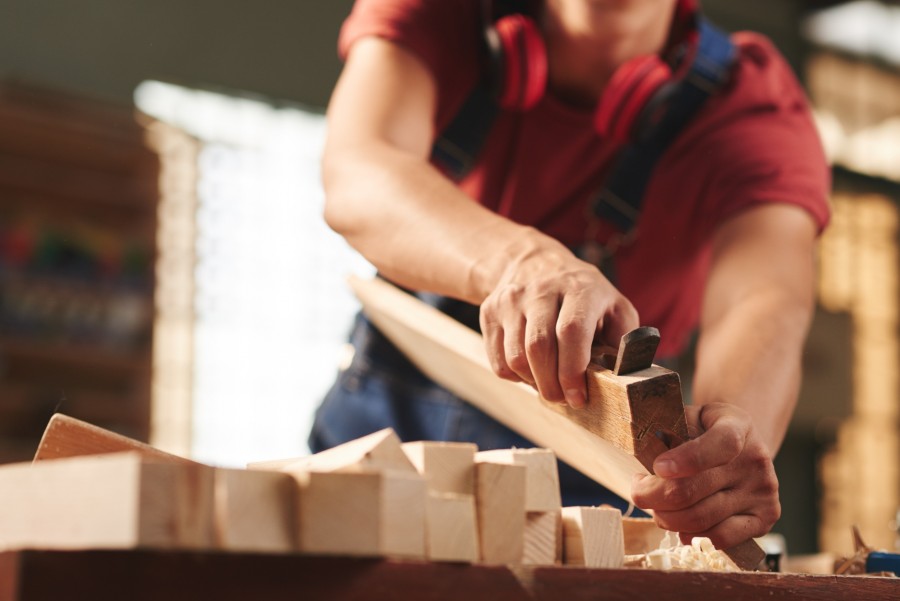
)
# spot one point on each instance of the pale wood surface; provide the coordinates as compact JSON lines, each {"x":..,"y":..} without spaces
{"x":339,"y":513}
{"x":641,"y":535}
{"x":500,"y":504}
{"x":448,"y":467}
{"x":117,"y":500}
{"x":541,"y":476}
{"x":543,"y":538}
{"x":379,"y":450}
{"x":593,"y":537}
{"x":451,"y":527}
{"x":255,"y":511}
{"x":454,"y":356}
{"x":66,"y":436}
{"x":402,"y":520}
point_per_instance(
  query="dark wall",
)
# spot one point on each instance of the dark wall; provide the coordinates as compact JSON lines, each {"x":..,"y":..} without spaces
{"x":104,"y":48}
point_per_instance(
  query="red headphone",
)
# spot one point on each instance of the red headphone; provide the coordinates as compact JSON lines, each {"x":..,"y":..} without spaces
{"x":636,"y":89}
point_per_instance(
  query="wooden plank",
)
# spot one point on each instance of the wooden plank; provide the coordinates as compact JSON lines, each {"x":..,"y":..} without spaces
{"x":543,"y":538}
{"x":255,"y":511}
{"x":541,"y":475}
{"x":377,"y":451}
{"x":147,"y":575}
{"x":448,"y":467}
{"x":109,"y":501}
{"x":451,"y":529}
{"x":454,"y":356}
{"x":500,"y":503}
{"x":66,"y":436}
{"x":592,"y":537}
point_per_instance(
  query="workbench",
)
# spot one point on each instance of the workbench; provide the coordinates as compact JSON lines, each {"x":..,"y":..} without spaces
{"x":190,"y":576}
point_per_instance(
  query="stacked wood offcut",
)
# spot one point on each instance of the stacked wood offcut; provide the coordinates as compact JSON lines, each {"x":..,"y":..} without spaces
{"x":374,"y":496}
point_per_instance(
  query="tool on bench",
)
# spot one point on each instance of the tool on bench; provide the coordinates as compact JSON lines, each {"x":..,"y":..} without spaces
{"x":657,"y":426}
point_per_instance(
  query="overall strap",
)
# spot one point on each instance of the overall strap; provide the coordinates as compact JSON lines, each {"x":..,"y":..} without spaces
{"x":619,"y":201}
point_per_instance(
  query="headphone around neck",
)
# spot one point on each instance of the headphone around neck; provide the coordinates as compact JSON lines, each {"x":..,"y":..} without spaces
{"x":635,"y":97}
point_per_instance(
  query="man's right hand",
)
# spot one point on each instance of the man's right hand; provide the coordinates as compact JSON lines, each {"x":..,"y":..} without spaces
{"x":544,"y":315}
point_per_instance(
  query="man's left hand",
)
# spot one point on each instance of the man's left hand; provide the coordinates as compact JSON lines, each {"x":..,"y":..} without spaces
{"x":720,"y":485}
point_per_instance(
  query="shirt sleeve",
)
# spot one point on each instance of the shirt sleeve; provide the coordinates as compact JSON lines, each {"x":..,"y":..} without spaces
{"x":443,"y":34}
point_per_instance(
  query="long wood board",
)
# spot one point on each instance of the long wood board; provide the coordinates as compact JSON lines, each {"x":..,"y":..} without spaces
{"x":454,"y":356}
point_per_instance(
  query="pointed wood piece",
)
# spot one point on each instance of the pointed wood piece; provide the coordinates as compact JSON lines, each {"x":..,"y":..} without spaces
{"x":636,"y":350}
{"x":66,"y":436}
{"x":379,"y":450}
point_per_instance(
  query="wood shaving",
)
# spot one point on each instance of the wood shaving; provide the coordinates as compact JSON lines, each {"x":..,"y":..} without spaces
{"x":700,"y":555}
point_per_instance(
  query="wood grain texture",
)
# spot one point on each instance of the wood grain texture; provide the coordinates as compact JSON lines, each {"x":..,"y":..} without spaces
{"x":543,"y":541}
{"x":454,"y":356}
{"x":115,"y":500}
{"x":255,"y":511}
{"x":592,"y":537}
{"x":66,"y":436}
{"x":448,"y":467}
{"x":541,"y":475}
{"x":500,"y":504}
{"x":188,"y":576}
{"x":451,"y":528}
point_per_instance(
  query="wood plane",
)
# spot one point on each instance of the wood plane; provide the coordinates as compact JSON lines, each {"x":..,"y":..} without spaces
{"x":634,"y":410}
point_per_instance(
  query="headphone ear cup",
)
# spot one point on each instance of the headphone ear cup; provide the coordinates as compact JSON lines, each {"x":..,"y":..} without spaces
{"x":523,"y":74}
{"x":629,"y":91}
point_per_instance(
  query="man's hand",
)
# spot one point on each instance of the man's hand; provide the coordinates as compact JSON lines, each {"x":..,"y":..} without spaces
{"x":721,"y":485}
{"x":542,"y":318}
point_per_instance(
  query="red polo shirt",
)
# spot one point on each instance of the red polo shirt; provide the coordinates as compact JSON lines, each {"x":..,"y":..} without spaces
{"x":753,"y":143}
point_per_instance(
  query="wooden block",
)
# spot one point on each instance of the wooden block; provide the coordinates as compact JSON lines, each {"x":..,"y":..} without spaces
{"x":543,"y":538}
{"x":592,"y":537}
{"x":641,"y":535}
{"x":380,"y":450}
{"x":500,"y":504}
{"x":451,"y":530}
{"x":113,"y":501}
{"x":403,"y":504}
{"x":367,"y":513}
{"x":541,"y":476}
{"x":255,"y":511}
{"x":66,"y":436}
{"x":339,"y":513}
{"x":448,"y":467}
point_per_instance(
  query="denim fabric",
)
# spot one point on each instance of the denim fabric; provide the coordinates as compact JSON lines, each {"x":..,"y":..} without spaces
{"x":381,"y":389}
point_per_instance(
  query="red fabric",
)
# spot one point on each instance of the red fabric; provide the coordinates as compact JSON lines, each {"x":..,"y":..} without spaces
{"x":755,"y":143}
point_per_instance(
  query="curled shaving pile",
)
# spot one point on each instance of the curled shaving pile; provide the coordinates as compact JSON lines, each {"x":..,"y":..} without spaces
{"x":700,"y":555}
